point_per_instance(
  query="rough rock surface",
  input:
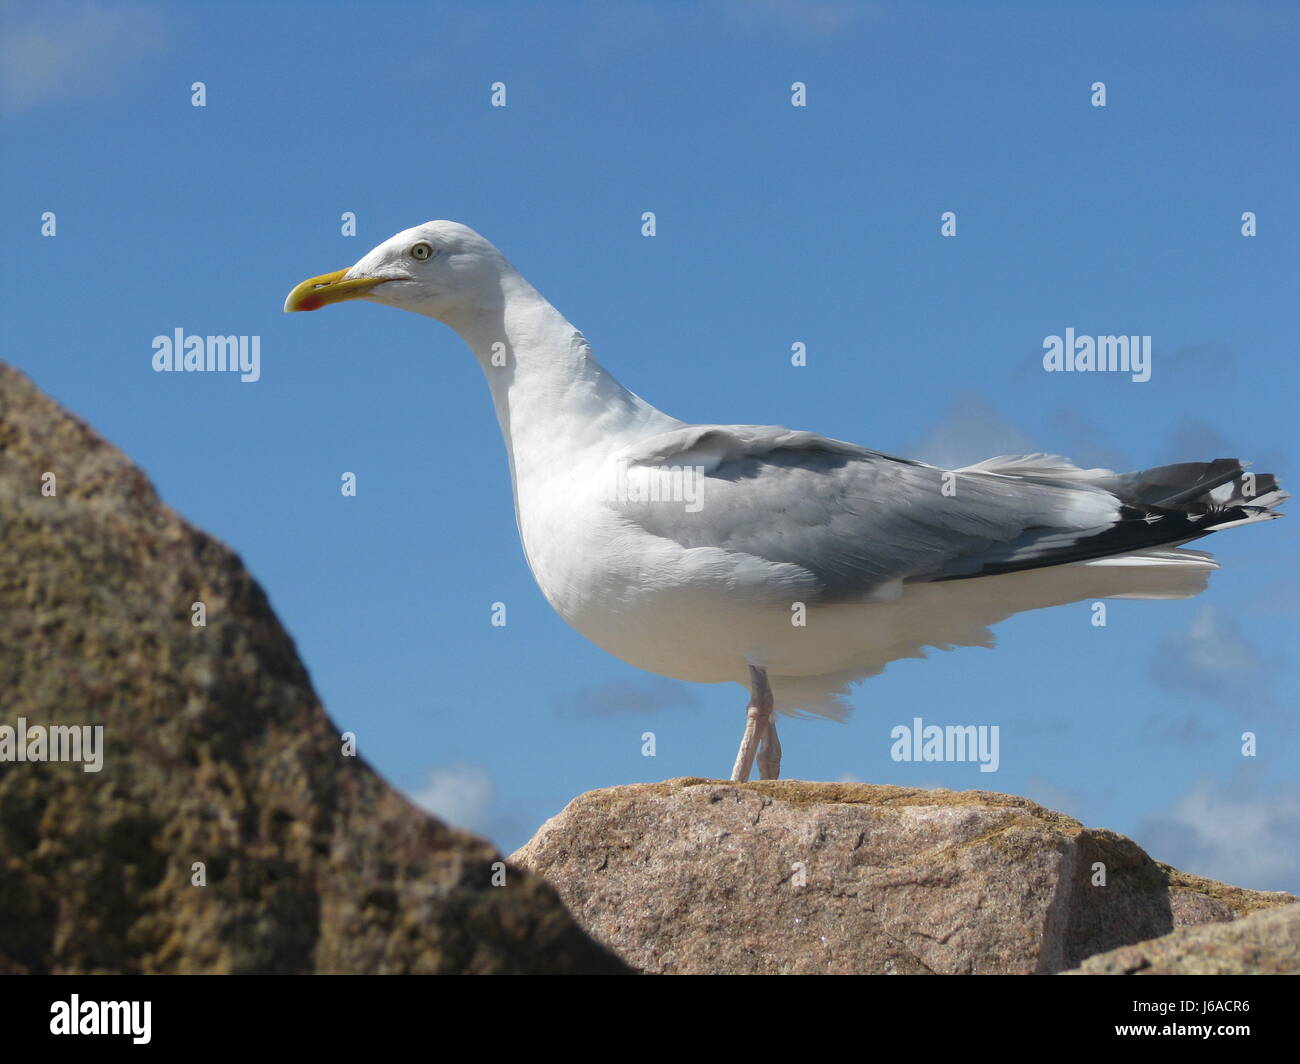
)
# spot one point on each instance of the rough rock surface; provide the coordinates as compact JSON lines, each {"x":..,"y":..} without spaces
{"x":784,"y":876}
{"x":217,"y":751}
{"x":1263,"y":943}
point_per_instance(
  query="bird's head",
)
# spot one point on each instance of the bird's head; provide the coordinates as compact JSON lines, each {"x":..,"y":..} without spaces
{"x":443,"y":270}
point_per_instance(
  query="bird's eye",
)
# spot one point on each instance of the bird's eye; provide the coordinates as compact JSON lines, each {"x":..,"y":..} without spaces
{"x":422,"y":251}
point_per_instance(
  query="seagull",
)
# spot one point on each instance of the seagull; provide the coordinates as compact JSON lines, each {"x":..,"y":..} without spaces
{"x":794,"y":564}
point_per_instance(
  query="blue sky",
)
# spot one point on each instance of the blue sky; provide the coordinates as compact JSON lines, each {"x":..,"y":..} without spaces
{"x":776,"y":225}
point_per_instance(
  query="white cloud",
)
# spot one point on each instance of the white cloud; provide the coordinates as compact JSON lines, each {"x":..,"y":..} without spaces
{"x":1050,"y":796}
{"x":1226,"y":833}
{"x":60,"y":51}
{"x":1075,"y":434}
{"x":1215,"y":660}
{"x":970,"y":430}
{"x":461,"y":795}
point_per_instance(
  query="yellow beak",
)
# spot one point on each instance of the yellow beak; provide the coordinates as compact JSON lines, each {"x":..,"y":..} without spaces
{"x":316,"y":292}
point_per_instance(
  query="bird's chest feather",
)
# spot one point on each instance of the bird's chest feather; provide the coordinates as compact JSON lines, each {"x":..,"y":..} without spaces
{"x":564,"y":526}
{"x":602,"y":573}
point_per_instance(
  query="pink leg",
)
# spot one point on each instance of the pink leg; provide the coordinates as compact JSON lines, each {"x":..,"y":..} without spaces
{"x":758,"y":723}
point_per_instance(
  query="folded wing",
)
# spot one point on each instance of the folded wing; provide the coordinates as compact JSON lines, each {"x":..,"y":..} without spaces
{"x":863,"y":523}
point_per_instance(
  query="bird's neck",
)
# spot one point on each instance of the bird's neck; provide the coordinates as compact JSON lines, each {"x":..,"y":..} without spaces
{"x":556,"y":404}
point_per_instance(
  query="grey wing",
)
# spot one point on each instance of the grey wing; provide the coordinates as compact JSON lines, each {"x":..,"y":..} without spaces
{"x":861,"y":522}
